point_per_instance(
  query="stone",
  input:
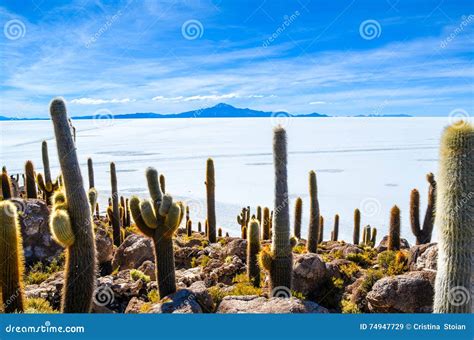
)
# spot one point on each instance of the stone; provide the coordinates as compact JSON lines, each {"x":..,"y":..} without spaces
{"x":148,"y":268}
{"x":134,"y":306}
{"x":424,"y":256}
{"x":411,"y":292}
{"x":218,"y":271}
{"x":50,"y":290}
{"x":309,"y":273}
{"x":384,"y":242}
{"x":133,"y":251}
{"x":104,"y":245}
{"x":276,"y":305}
{"x":236,"y":247}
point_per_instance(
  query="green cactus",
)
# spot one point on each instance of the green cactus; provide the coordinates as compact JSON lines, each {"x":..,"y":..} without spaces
{"x":92,"y":196}
{"x":298,"y":216}
{"x":163,"y":183}
{"x":335,"y":231}
{"x":259,"y":214}
{"x":243,"y":232}
{"x":158,"y":219}
{"x":313,"y":230}
{"x":394,"y":231}
{"x":423,"y":235}
{"x":189,"y":228}
{"x":80,"y":276}
{"x":455,"y":220}
{"x":321,"y":229}
{"x":253,"y":249}
{"x":90,"y":171}
{"x":279,"y":261}
{"x":266,"y":224}
{"x":6,"y":186}
{"x":373,"y":238}
{"x":30,"y":183}
{"x":356,"y":234}
{"x":47,"y":186}
{"x":12,"y":264}
{"x":115,"y":206}
{"x":364,"y":235}
{"x":211,"y":200}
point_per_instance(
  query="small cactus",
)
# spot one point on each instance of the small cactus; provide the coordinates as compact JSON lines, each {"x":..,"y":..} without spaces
{"x":163,"y":183}
{"x":423,"y":235}
{"x":298,"y":216}
{"x":6,"y":186}
{"x":219,"y":232}
{"x":189,"y":228}
{"x":321,"y":229}
{"x":313,"y":230}
{"x":158,"y":219}
{"x":356,"y":234}
{"x":373,"y":238}
{"x":211,"y":200}
{"x":30,"y":183}
{"x":90,"y":171}
{"x":92,"y":196}
{"x":394,"y":232}
{"x":266,"y":224}
{"x":335,"y":231}
{"x":115,"y":206}
{"x":199,"y":227}
{"x":259,"y":214}
{"x":11,"y":265}
{"x":47,"y":186}
{"x":253,"y":249}
{"x":455,"y":220}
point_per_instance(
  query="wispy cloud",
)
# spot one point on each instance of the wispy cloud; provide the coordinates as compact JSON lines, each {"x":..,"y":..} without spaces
{"x":94,"y":101}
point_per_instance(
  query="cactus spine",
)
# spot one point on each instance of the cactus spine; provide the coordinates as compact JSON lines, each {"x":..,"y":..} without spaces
{"x":30,"y":184}
{"x":211,"y":200}
{"x":115,"y":206}
{"x":335,"y":232}
{"x":11,"y":265}
{"x":356,"y":234}
{"x":298,"y":216}
{"x":423,"y":235}
{"x":455,"y":221}
{"x":313,"y":230}
{"x":158,"y":219}
{"x":80,"y":255}
{"x":279,"y":261}
{"x":253,"y":249}
{"x":394,"y":232}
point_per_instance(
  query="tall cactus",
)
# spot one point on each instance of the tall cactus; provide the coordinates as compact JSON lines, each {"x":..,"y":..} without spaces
{"x":253,"y":249}
{"x":6,"y":186}
{"x":356,"y":234}
{"x":313,"y":230}
{"x":335,"y":231}
{"x":30,"y":183}
{"x":321,"y":229}
{"x":115,"y":206}
{"x":298,"y":216}
{"x":90,"y":171}
{"x":455,"y":221}
{"x":266,"y":224}
{"x":45,"y":183}
{"x":279,"y":261}
{"x":158,"y":219}
{"x":394,"y":231}
{"x":11,"y":255}
{"x":80,"y":267}
{"x":423,"y":235}
{"x":189,"y":228}
{"x":211,"y":200}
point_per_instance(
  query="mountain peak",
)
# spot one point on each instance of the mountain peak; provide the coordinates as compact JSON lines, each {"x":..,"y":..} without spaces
{"x":223,"y":106}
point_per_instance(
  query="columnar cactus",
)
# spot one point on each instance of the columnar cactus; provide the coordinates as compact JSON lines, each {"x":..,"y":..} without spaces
{"x":394,"y":231}
{"x":30,"y":183}
{"x":47,"y":186}
{"x":266,"y":224}
{"x":335,"y":231}
{"x":92,"y":196}
{"x":211,"y":200}
{"x":11,"y":255}
{"x":253,"y":249}
{"x":259,"y":214}
{"x":321,"y":229}
{"x":163,"y":183}
{"x":423,"y":235}
{"x":243,"y":232}
{"x":80,"y":267}
{"x":279,"y":261}
{"x":115,"y":206}
{"x":158,"y":219}
{"x":6,"y":186}
{"x":455,"y":221}
{"x":199,"y":227}
{"x":373,"y":238}
{"x":313,"y":230}
{"x":189,"y":228}
{"x":90,"y":171}
{"x":298,"y":216}
{"x":356,"y":234}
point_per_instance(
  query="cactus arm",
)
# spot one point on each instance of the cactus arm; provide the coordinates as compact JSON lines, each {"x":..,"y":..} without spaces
{"x":430,"y":214}
{"x":60,"y":227}
{"x":138,"y":218}
{"x":415,"y":214}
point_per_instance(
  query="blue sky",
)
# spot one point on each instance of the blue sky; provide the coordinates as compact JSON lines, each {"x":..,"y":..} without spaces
{"x":334,"y":57}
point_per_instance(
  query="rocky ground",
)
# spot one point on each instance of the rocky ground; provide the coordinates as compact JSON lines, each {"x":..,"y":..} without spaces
{"x":211,"y":278}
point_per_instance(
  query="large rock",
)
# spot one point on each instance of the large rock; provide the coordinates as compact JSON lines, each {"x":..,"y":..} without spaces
{"x":133,"y":251}
{"x":275,"y":305}
{"x":424,"y":256}
{"x":407,"y":293}
{"x":187,"y":277}
{"x":38,"y":244}
{"x":309,"y":273}
{"x":237,"y":247}
{"x":218,"y":271}
{"x":104,"y":245}
{"x":346,"y":249}
{"x":183,"y":256}
{"x":384,"y":243}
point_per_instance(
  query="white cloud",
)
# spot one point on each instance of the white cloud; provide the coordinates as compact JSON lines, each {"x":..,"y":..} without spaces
{"x":317,"y":102}
{"x":93,"y":101}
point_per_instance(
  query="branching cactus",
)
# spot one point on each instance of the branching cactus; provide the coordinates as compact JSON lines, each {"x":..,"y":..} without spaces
{"x":90,"y":171}
{"x":298,"y":216}
{"x":266,"y":224}
{"x":279,"y":260}
{"x":335,"y":231}
{"x":423,"y":235}
{"x":211,"y":200}
{"x":253,"y":249}
{"x":394,"y":231}
{"x":455,"y":221}
{"x":30,"y":183}
{"x":115,"y":206}
{"x":11,"y":255}
{"x":313,"y":230}
{"x":47,"y":186}
{"x":158,"y":219}
{"x":356,"y":234}
{"x":71,"y":220}
{"x":6,"y":186}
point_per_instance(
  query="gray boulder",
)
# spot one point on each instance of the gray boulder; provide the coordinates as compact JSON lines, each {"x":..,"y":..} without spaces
{"x":133,"y":251}
{"x":254,"y":304}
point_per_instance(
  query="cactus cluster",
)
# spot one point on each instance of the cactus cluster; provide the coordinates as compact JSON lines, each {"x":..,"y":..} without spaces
{"x":423,"y":234}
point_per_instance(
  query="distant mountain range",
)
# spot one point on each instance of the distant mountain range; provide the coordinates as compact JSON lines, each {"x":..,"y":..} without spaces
{"x":221,"y":110}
